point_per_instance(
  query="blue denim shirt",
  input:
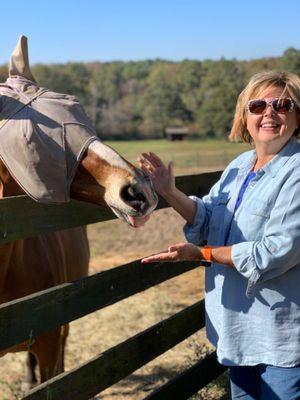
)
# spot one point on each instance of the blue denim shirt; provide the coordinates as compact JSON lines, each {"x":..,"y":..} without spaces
{"x":253,"y":310}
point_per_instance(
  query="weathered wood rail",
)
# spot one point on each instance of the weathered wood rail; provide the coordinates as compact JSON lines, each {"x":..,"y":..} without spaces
{"x":32,"y":315}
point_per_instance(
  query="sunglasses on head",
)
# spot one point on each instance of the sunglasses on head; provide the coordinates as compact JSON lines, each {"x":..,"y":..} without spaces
{"x":280,"y":105}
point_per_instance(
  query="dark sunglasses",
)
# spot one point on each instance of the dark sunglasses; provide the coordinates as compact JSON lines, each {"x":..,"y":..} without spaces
{"x":280,"y":105}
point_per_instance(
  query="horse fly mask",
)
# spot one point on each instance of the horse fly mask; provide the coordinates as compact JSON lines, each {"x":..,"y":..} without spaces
{"x":43,"y":134}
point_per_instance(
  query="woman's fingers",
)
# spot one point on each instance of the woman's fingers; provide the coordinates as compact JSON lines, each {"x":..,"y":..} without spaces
{"x":145,"y":165}
{"x":176,"y":247}
{"x":147,"y":157}
{"x":171,"y":169}
{"x":151,"y":163}
{"x":156,"y":160}
{"x":144,"y":168}
{"x":160,"y":257}
{"x":153,"y":159}
{"x":176,"y":252}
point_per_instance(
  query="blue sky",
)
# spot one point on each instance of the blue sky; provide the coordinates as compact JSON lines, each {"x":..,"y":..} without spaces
{"x":106,"y":30}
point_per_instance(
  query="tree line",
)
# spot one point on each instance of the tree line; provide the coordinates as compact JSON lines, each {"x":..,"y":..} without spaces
{"x":138,"y":100}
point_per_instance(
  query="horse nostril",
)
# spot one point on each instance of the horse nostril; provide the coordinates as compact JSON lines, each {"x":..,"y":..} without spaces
{"x":127,"y":193}
{"x":139,"y":196}
{"x":133,"y":198}
{"x":130,"y":192}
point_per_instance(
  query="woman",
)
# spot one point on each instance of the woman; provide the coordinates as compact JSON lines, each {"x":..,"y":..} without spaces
{"x":251,"y":222}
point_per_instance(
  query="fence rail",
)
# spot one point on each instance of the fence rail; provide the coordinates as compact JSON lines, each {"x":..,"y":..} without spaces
{"x":21,"y":217}
{"x":32,"y":315}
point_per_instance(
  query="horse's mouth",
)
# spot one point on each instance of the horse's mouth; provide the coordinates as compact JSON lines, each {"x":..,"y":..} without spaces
{"x":132,"y":220}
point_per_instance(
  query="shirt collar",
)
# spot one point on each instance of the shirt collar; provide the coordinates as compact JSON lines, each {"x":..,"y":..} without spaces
{"x":277,"y":162}
{"x":247,"y":164}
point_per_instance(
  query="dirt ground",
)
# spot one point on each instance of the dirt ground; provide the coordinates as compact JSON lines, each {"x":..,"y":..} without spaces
{"x":114,"y":243}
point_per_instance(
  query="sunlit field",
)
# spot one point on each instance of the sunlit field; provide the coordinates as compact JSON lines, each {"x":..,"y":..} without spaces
{"x":189,"y":156}
{"x":114,"y":243}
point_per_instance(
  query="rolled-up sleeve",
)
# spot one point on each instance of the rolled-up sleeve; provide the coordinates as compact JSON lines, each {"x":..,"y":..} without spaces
{"x":279,"y":248}
{"x":243,"y":258}
{"x":195,"y":233}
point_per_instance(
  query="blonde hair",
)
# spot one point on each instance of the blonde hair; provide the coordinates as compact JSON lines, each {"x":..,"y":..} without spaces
{"x":257,"y":84}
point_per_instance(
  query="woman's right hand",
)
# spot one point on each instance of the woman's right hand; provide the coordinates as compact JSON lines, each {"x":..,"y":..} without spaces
{"x":162,"y":176}
{"x":164,"y":183}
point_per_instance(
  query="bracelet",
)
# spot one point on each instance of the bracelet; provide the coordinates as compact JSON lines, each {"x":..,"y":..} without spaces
{"x":206,"y":253}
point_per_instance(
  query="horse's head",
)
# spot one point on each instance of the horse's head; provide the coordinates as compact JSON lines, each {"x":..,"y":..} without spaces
{"x":104,"y":177}
{"x":50,"y":151}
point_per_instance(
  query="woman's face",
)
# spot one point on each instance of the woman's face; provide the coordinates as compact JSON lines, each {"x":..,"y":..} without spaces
{"x":270,"y":129}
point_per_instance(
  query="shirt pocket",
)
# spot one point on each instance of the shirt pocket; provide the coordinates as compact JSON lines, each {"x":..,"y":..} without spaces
{"x":253,"y":218}
{"x":258,"y":208}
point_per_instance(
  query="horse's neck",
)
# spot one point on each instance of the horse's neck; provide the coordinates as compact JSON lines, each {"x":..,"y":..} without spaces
{"x":11,"y":255}
{"x":85,"y":187}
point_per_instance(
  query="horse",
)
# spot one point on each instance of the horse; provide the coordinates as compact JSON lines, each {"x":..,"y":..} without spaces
{"x":35,"y":164}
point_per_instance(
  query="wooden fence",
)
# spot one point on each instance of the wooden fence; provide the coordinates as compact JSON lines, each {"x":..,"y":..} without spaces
{"x":32,"y":315}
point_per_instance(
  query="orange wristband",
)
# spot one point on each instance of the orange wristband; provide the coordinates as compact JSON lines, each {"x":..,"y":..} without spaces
{"x":206,"y":253}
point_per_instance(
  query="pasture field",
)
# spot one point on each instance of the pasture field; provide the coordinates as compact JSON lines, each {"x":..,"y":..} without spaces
{"x":114,"y":243}
{"x":189,"y":156}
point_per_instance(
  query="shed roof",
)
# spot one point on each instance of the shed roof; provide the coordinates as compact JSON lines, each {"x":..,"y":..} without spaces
{"x":177,"y":130}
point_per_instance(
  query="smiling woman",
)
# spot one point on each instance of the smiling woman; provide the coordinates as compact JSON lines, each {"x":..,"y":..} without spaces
{"x":273,"y":127}
{"x":253,"y":101}
{"x":251,"y":226}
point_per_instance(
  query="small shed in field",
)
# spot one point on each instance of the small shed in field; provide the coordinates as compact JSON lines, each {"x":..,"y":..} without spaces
{"x":176,"y":133}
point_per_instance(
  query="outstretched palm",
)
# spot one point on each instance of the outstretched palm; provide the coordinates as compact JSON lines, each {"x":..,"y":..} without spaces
{"x":175,"y":253}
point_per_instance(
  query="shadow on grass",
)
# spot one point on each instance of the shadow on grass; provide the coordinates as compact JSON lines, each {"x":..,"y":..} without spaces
{"x":143,"y":384}
{"x":219,"y":389}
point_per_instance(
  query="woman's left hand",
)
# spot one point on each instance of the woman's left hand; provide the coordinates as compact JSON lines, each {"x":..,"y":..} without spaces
{"x":176,"y":252}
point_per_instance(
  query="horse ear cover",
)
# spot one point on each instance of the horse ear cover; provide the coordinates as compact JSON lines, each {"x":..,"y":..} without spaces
{"x":19,"y":61}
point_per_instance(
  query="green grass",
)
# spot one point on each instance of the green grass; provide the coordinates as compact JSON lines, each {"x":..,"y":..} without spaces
{"x":188,"y":156}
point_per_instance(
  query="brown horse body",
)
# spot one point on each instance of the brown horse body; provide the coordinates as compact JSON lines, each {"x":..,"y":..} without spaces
{"x":33,"y":264}
{"x":37,"y":263}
